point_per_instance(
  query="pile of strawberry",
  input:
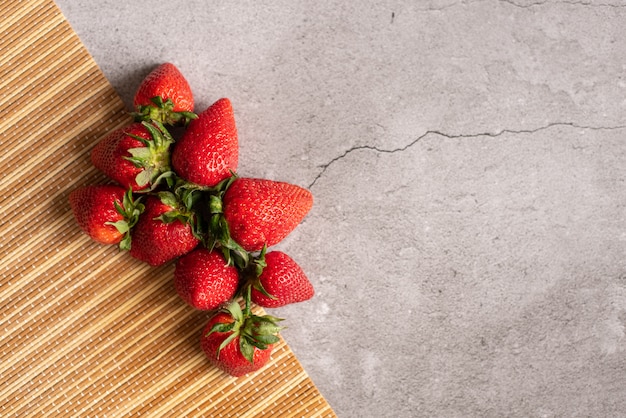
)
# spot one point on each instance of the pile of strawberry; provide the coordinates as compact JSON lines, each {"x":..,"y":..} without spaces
{"x":181,"y":199}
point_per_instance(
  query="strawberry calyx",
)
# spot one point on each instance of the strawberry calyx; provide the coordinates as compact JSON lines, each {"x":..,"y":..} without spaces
{"x":194,"y":195}
{"x":195,"y":199}
{"x":179,"y":212}
{"x":162,"y":112}
{"x":257,"y":265}
{"x":219,"y":235}
{"x":153,"y":157}
{"x":252,"y":330}
{"x":218,"y":231}
{"x":130,"y":209}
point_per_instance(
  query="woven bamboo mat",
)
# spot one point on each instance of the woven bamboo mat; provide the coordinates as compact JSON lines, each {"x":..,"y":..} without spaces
{"x":84,"y":329}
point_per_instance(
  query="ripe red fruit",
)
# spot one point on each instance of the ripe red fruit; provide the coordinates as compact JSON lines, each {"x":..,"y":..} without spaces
{"x":104,"y":212}
{"x":134,"y":156}
{"x":281,"y":282}
{"x":204,"y":280}
{"x":238,"y":342}
{"x":208,"y":150}
{"x":262,"y":212}
{"x":163,"y":231}
{"x":164,"y":95}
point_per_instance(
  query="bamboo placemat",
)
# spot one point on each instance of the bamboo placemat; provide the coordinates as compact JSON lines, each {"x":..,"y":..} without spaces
{"x":84,"y":329}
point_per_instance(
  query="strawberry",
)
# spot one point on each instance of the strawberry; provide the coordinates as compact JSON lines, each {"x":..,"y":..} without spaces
{"x":164,"y":95}
{"x":208,"y":150}
{"x":105,"y":212}
{"x":134,"y":156}
{"x":204,"y":280}
{"x":238,"y":342}
{"x":164,"y":231}
{"x":281,"y":281}
{"x":259,"y":212}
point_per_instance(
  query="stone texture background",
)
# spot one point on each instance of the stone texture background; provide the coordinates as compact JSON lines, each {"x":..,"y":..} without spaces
{"x":468,"y":161}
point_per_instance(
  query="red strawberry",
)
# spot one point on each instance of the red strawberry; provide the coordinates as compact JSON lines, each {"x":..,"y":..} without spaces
{"x":239,"y":342}
{"x":208,"y":150}
{"x":163,"y":232}
{"x":203,"y":280}
{"x":262,"y":212}
{"x":281,"y":282}
{"x":134,"y":156}
{"x":105,"y":212}
{"x":165,"y":96}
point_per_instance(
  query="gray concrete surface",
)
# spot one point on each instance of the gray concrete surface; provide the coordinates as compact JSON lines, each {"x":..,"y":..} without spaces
{"x":468,"y":161}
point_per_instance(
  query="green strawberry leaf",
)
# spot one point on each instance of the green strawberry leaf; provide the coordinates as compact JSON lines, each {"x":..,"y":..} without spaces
{"x":257,"y":285}
{"x":185,"y":117}
{"x":232,"y":251}
{"x":197,"y":228}
{"x":221,"y":187}
{"x":259,"y":262}
{"x":266,"y":339}
{"x":258,"y":344}
{"x":169,"y":177}
{"x":247,"y":349}
{"x":215,"y":204}
{"x":144,"y":141}
{"x":189,"y":198}
{"x":139,"y":154}
{"x":263,"y":328}
{"x":162,"y":112}
{"x":172,"y":216}
{"x":121,"y":226}
{"x":235,"y":310}
{"x":269,"y":318}
{"x":227,"y":341}
{"x":158,"y":101}
{"x":130,"y":209}
{"x":143,"y":177}
{"x":168,"y":198}
{"x":125,"y":243}
{"x":161,"y":138}
{"x":222,"y":327}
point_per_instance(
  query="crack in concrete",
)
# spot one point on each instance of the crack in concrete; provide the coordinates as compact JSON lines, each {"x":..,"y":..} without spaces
{"x":586,"y":3}
{"x":325,"y":166}
{"x":447,"y":6}
{"x":575,"y":3}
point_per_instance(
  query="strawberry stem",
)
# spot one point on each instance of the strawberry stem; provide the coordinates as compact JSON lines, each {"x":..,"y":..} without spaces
{"x":247,"y":301}
{"x":162,"y":112}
